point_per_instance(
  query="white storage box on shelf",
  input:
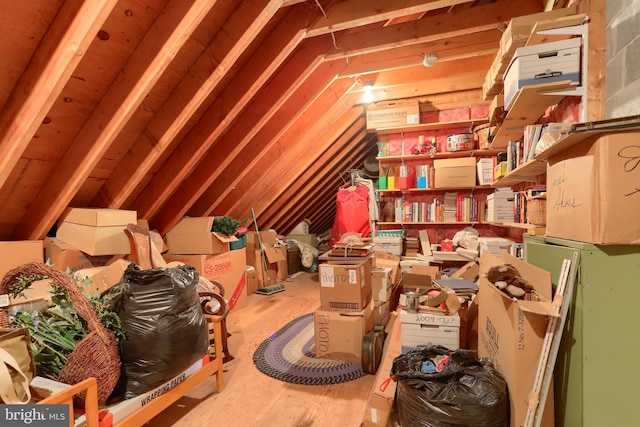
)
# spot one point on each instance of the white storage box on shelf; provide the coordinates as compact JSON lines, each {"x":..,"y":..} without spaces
{"x":500,"y":206}
{"x":542,"y":63}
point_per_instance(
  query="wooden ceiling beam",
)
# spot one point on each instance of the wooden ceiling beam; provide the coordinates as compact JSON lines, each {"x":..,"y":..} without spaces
{"x":357,"y":13}
{"x":431,"y":28}
{"x":331,"y":161}
{"x":321,"y":122}
{"x":262,"y":108}
{"x":453,"y":49}
{"x":225,"y":49}
{"x":142,"y":71}
{"x":63,"y":47}
{"x":273,"y":144}
{"x":302,"y":193}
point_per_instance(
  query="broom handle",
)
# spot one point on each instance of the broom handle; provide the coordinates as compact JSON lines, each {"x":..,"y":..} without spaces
{"x":262,"y":254}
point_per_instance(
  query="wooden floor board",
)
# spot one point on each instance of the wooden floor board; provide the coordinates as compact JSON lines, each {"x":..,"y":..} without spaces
{"x":251,"y":398}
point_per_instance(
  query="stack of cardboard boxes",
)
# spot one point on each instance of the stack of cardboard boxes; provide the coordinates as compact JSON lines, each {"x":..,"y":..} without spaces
{"x":268,"y":257}
{"x":346,"y":309}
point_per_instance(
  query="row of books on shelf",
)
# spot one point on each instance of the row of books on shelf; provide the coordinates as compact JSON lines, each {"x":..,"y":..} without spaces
{"x":455,"y":207}
{"x":535,"y":139}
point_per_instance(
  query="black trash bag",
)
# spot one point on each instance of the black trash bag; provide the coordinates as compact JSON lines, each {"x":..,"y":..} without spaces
{"x":165,"y":329}
{"x":467,"y":391}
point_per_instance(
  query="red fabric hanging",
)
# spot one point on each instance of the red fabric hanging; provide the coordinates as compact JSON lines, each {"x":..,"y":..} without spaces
{"x":352,"y":213}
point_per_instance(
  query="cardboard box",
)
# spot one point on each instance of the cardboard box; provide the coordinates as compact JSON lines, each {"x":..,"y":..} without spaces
{"x":276,"y":265}
{"x":384,"y":259}
{"x":65,"y":257}
{"x":252,"y":280}
{"x":500,"y":170}
{"x":269,"y":238}
{"x":380,"y":313}
{"x":393,"y":113}
{"x":345,"y":287}
{"x":338,"y":335}
{"x":101,"y":240}
{"x":381,"y":283}
{"x":193,"y":236}
{"x":597,"y":182}
{"x":103,"y":278}
{"x":485,"y":171}
{"x":14,"y":254}
{"x":382,"y":394}
{"x":470,"y":271}
{"x":450,"y":173}
{"x":519,"y":29}
{"x":309,"y":239}
{"x":511,"y":332}
{"x":416,"y":282}
{"x":390,"y":244}
{"x":227,"y":269}
{"x":97,"y":217}
{"x":542,"y":63}
{"x":429,"y":329}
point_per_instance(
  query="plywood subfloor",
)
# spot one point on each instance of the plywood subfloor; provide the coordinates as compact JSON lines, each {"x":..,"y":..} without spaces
{"x":251,"y":398}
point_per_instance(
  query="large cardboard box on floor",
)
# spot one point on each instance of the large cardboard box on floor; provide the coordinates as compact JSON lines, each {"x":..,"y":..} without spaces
{"x":511,"y":332}
{"x":14,"y":254}
{"x":227,"y":269}
{"x":338,"y":335}
{"x":96,"y":231}
{"x":66,"y":257}
{"x":597,"y":182}
{"x":193,"y":236}
{"x":345,"y":287}
{"x":383,"y":392}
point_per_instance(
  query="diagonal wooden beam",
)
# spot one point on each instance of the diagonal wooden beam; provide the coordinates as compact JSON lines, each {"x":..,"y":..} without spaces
{"x":358,"y":13}
{"x":301,"y":155}
{"x":309,"y":183}
{"x":164,"y":127}
{"x":271,"y":142}
{"x":279,"y":89}
{"x":276,"y":179}
{"x":143,"y":69}
{"x":62,"y":48}
{"x":431,"y":28}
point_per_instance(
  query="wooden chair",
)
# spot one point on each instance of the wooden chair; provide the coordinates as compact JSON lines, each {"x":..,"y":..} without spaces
{"x":146,"y":256}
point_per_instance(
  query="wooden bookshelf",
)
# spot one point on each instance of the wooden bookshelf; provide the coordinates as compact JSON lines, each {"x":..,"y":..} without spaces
{"x":528,"y":105}
{"x":528,"y":171}
{"x":421,"y":127}
{"x":447,"y":155}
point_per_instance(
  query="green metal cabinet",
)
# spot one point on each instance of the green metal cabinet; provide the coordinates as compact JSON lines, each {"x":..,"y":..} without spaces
{"x":596,"y":377}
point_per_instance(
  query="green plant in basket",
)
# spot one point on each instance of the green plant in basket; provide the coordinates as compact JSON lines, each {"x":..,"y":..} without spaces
{"x":56,"y":329}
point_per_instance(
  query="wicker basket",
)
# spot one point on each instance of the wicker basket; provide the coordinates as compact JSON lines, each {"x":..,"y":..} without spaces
{"x":537,"y":210}
{"x":97,"y":354}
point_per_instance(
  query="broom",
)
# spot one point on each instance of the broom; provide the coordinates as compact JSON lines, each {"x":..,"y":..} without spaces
{"x":267,"y":290}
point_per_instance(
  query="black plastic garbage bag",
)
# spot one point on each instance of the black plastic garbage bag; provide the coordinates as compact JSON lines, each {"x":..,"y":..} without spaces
{"x":165,"y":330}
{"x":460,"y":390}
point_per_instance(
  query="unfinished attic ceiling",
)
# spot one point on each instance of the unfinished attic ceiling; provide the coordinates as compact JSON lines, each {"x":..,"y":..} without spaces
{"x":204,"y":107}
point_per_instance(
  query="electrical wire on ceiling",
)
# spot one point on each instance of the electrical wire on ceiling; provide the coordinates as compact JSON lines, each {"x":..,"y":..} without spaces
{"x":333,"y":36}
